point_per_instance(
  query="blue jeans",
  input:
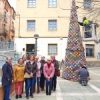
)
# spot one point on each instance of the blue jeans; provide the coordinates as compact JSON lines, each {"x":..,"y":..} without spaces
{"x":38,"y":84}
{"x":48,"y":86}
{"x":29,"y":86}
{"x":34,"y":85}
{"x":7,"y":92}
{"x":54,"y":82}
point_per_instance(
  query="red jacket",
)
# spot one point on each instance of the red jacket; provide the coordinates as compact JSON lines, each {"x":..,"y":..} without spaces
{"x":48,"y":71}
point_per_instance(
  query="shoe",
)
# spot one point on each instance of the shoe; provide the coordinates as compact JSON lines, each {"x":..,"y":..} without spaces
{"x":16,"y":96}
{"x":20,"y":96}
{"x":47,"y":94}
{"x":38,"y":91}
{"x":42,"y":89}
{"x":32,"y":96}
{"x":54,"y":89}
{"x":27,"y":97}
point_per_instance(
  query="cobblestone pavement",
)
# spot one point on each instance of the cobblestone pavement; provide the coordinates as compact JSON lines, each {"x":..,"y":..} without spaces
{"x":67,"y":90}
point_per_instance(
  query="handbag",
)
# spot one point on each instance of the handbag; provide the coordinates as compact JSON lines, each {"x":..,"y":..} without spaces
{"x":57,"y":72}
{"x":26,"y":75}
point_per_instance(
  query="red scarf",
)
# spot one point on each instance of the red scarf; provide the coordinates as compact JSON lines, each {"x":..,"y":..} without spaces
{"x":49,"y":65}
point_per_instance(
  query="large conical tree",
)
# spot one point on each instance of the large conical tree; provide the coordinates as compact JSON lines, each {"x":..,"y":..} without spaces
{"x":75,"y":56}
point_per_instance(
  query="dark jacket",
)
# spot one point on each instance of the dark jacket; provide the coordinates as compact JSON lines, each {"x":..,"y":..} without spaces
{"x":56,"y":66}
{"x":83,"y":73}
{"x":42,"y":65}
{"x":31,"y":68}
{"x":7,"y":74}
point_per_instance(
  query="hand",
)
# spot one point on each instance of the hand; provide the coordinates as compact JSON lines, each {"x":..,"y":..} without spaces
{"x":12,"y":81}
{"x":31,"y":74}
{"x":48,"y":78}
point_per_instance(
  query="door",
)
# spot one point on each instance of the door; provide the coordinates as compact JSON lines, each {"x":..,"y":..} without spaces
{"x":30,"y":48}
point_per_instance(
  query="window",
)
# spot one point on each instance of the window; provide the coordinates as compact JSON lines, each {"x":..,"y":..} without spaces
{"x":30,"y":48}
{"x":52,"y":49}
{"x":52,"y":3}
{"x":87,"y":4}
{"x":31,"y":25}
{"x":89,"y":31}
{"x":31,"y":3}
{"x":89,"y":50}
{"x":52,"y":25}
{"x":98,"y":55}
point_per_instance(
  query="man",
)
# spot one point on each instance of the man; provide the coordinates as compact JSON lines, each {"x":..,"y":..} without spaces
{"x":56,"y":66}
{"x":85,"y":22}
{"x":83,"y":76}
{"x":7,"y":78}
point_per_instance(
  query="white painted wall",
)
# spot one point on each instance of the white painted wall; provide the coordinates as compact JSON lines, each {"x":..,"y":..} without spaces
{"x":42,"y":45}
{"x":20,"y":43}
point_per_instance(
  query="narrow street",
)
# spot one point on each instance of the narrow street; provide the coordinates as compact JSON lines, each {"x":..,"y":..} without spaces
{"x":67,"y":90}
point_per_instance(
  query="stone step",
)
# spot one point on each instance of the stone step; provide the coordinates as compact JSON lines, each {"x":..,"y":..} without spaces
{"x":93,"y":63}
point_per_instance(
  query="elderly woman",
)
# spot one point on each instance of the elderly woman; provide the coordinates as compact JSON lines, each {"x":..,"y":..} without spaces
{"x":19,"y":78}
{"x":38,"y":73}
{"x":48,"y":73}
{"x":30,"y":76}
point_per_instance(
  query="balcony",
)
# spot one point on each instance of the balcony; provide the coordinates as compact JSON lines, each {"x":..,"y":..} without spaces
{"x":5,"y":46}
{"x":2,"y":31}
{"x":12,"y":30}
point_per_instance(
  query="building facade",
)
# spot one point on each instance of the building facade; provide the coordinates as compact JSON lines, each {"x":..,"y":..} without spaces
{"x":50,"y":20}
{"x":7,"y":30}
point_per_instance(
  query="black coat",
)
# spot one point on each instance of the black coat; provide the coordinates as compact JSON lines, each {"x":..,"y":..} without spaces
{"x":42,"y":65}
{"x":31,"y":68}
{"x":7,"y":74}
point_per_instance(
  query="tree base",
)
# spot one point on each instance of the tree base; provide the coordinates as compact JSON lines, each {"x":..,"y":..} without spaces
{"x":70,"y":73}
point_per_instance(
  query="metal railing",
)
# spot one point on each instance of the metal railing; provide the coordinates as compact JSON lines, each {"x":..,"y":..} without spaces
{"x":4,"y":46}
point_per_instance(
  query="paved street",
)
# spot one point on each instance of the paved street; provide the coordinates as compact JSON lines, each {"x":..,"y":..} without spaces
{"x":67,"y":90}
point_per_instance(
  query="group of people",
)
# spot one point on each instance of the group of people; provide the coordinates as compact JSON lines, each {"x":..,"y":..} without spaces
{"x":33,"y":74}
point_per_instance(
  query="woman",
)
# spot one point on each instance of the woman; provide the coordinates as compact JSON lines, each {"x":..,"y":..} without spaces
{"x":19,"y":78}
{"x":38,"y":74}
{"x":30,"y":76}
{"x":48,"y":73}
{"x":42,"y":78}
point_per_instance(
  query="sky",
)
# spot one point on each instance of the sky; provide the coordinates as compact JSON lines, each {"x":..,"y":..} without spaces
{"x":13,"y":3}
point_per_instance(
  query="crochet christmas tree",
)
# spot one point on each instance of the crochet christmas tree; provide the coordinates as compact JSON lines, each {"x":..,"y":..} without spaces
{"x":75,"y":56}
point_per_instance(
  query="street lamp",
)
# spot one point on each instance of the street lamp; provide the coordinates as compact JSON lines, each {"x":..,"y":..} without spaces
{"x":36,"y":36}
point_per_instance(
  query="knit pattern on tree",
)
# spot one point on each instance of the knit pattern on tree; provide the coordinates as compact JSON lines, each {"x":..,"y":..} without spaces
{"x":75,"y":50}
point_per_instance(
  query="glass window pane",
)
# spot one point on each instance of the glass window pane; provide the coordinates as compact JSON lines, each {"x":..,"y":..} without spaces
{"x":52,"y":25}
{"x":31,"y":25}
{"x":31,"y":3}
{"x":52,"y":49}
{"x":89,"y":50}
{"x":88,"y":31}
{"x":87,"y":3}
{"x":52,"y":3}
